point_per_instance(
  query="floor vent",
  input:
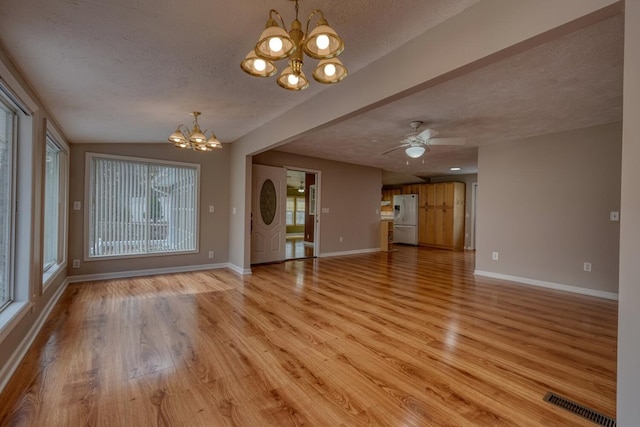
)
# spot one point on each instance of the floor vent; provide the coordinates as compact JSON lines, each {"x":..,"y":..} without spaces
{"x":581,"y":410}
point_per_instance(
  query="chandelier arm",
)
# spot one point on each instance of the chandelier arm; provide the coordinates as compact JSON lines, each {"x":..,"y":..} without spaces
{"x":272,"y":12}
{"x":315,"y":12}
{"x":184,"y":130}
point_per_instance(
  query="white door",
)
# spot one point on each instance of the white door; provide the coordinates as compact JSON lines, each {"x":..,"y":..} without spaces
{"x":268,"y":223}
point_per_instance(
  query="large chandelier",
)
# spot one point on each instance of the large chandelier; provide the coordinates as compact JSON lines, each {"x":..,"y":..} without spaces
{"x":276,"y":43}
{"x":194,"y":139}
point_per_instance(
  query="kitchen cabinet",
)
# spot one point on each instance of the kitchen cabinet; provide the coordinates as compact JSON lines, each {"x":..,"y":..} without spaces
{"x":388,"y":193}
{"x":410,"y":189}
{"x":441,"y":215}
{"x":386,"y":236}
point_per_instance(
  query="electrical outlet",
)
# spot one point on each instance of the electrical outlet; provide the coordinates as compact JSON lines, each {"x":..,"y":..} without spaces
{"x":76,"y":263}
{"x":341,"y":239}
{"x":494,"y":256}
{"x":210,"y":254}
{"x":587,"y":266}
{"x":211,"y":209}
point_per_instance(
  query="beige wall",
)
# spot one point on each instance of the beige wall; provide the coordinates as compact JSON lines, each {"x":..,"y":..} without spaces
{"x":350,"y":192}
{"x":214,"y":190}
{"x":544,"y":203}
{"x":481,"y":34}
{"x":628,"y":411}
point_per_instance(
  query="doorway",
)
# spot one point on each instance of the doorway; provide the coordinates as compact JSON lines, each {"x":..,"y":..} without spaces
{"x":300,"y":214}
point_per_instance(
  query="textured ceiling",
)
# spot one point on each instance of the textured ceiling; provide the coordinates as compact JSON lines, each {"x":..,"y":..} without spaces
{"x":569,"y":83}
{"x":130,"y":71}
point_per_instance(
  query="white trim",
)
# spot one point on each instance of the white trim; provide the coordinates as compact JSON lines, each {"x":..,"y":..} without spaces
{"x":474,"y":203}
{"x":550,"y":285}
{"x":14,"y":360}
{"x":238,"y":269}
{"x":13,"y":89}
{"x":344,"y":253}
{"x":149,"y":272}
{"x":11,"y":315}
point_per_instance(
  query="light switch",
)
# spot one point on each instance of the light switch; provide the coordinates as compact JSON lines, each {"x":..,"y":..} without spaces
{"x":77,"y":205}
{"x":211,"y":209}
{"x":325,"y":210}
{"x":614,"y":216}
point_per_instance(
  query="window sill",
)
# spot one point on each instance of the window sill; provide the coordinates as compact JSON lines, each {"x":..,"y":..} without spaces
{"x":12,"y":315}
{"x":50,"y":275}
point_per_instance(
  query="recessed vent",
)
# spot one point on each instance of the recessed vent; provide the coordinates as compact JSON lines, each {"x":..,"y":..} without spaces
{"x":581,"y":410}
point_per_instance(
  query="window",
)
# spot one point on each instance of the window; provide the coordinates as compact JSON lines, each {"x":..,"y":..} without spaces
{"x":55,"y":174}
{"x":295,"y":211}
{"x":291,"y":207}
{"x":139,"y":207}
{"x":7,"y":185}
{"x":299,"y":210}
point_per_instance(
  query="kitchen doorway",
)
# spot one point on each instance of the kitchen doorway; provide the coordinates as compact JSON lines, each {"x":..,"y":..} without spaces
{"x":302,"y":219}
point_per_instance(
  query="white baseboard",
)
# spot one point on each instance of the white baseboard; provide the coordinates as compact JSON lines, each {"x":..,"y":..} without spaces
{"x":550,"y":285}
{"x":149,"y":272}
{"x":238,"y":269}
{"x":343,"y":253}
{"x":18,"y":354}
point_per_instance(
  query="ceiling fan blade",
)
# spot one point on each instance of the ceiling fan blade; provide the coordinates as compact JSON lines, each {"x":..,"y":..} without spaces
{"x":447,"y":141}
{"x":427,"y":134}
{"x":395,"y":148}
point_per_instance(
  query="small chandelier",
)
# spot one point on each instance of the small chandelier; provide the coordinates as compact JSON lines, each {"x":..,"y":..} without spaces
{"x":276,"y":43}
{"x":301,"y":188}
{"x":194,"y":139}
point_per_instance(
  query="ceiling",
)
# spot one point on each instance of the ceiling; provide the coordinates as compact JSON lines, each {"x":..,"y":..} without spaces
{"x":131,"y":71}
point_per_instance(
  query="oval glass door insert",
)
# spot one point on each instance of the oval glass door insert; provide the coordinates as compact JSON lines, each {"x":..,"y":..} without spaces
{"x":268,"y":202}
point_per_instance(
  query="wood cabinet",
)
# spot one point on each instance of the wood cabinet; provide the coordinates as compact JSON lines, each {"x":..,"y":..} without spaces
{"x":386,"y":236}
{"x":411,"y":188}
{"x":388,"y":193}
{"x":441,"y":215}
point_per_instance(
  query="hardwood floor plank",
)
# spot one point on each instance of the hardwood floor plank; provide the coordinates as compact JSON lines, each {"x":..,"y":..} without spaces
{"x":409,"y":337}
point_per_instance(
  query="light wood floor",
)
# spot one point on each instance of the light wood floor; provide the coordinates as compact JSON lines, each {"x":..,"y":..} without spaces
{"x":405,"y":338}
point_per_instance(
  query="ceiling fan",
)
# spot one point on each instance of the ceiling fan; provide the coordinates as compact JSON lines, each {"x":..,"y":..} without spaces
{"x":416,"y":143}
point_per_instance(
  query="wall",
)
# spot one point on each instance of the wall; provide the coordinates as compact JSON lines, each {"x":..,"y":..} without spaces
{"x":628,"y":410}
{"x":468,"y":180}
{"x":214,"y":190}
{"x":351,"y":193}
{"x":481,"y":34}
{"x":544,"y":203}
{"x":20,"y":327}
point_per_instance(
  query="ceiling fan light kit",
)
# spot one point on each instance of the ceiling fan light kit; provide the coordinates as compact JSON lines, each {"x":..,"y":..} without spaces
{"x":194,"y":139}
{"x":276,"y":43}
{"x":416,"y":143}
{"x":415,"y":151}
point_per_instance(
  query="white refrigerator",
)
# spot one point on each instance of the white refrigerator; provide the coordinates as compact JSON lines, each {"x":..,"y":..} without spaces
{"x":405,"y":219}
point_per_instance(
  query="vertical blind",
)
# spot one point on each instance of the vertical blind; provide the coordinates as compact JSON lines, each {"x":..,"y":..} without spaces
{"x":141,"y":207}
